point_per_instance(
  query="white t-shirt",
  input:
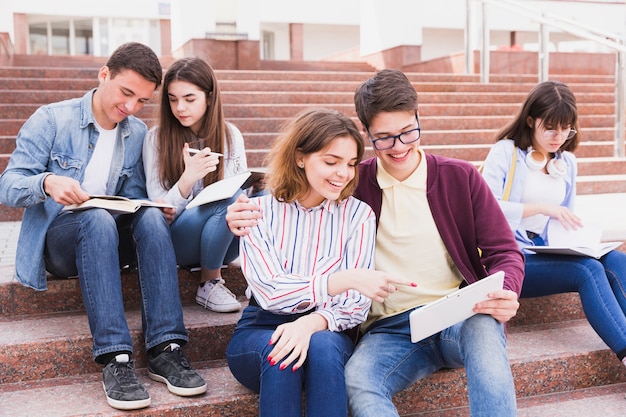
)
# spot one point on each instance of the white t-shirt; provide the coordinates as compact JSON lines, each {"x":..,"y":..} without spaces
{"x":99,"y":166}
{"x":541,"y":188}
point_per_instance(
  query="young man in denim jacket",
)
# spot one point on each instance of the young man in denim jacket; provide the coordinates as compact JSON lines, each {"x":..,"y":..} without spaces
{"x":67,"y":151}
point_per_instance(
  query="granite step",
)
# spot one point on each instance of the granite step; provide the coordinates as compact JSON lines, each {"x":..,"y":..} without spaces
{"x":317,"y":75}
{"x":556,"y":364}
{"x":606,"y":401}
{"x":272,"y":124}
{"x":64,"y":295}
{"x":252,"y":85}
{"x":312,"y":97}
{"x":263,"y":140}
{"x":24,"y":110}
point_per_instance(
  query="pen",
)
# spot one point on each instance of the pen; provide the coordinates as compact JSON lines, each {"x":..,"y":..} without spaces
{"x":194,"y":151}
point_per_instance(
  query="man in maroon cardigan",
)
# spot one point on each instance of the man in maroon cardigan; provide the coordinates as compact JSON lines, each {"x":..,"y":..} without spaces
{"x":438,"y":224}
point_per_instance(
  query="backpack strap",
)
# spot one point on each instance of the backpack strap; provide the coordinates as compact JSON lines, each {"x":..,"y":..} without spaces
{"x":509,"y":176}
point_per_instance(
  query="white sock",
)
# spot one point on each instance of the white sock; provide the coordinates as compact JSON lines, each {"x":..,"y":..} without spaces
{"x":173,"y":346}
{"x":122,"y":358}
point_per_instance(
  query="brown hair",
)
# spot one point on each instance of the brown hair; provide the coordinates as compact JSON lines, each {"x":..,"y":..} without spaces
{"x":388,"y":91}
{"x":309,"y":132}
{"x":171,"y":135}
{"x":555,"y":104}
{"x":136,"y":57}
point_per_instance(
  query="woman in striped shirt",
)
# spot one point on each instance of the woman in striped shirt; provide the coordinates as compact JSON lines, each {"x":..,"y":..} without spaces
{"x":309,"y":266}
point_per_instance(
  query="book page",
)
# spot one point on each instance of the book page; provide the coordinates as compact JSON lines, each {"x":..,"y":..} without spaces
{"x":587,"y":236}
{"x":219,"y":190}
{"x":597,"y":253}
{"x":115,"y":204}
{"x":584,"y":241}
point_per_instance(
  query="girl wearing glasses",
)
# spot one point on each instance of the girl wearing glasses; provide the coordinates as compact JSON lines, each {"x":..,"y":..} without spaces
{"x":541,"y":138}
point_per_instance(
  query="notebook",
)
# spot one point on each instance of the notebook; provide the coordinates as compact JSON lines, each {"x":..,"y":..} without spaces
{"x":219,"y":190}
{"x":453,"y":308}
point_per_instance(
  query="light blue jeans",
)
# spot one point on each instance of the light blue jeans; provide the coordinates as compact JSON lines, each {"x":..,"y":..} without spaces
{"x":321,"y":377}
{"x":601,"y":285}
{"x":385,"y":362}
{"x":85,"y":243}
{"x":201,"y":236}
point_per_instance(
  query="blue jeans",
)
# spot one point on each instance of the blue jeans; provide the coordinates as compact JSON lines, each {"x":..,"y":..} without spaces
{"x":85,"y":243}
{"x":321,"y":377}
{"x":385,"y":362}
{"x":201,"y":236}
{"x":601,"y":285}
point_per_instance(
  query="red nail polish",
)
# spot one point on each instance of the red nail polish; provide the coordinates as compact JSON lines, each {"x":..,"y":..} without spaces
{"x":282,"y":367}
{"x":269,"y":358}
{"x":294,"y":369}
{"x":272,"y":362}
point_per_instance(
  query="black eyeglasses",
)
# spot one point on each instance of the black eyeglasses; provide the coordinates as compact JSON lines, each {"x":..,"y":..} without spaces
{"x":389,"y":142}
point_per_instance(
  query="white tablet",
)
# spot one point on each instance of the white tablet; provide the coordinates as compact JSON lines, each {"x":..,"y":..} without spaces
{"x":453,"y":308}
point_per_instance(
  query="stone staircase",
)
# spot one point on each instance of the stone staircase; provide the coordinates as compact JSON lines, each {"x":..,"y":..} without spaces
{"x":561,"y":367}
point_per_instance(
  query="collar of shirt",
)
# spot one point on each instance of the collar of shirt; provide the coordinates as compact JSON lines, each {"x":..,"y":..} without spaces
{"x":416,"y":180}
{"x":324,"y":205}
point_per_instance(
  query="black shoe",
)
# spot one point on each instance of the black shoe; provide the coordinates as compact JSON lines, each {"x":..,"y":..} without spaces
{"x":172,"y":367}
{"x":122,"y":388}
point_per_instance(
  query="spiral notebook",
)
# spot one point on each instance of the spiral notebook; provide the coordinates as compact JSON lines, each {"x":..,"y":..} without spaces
{"x":453,"y":308}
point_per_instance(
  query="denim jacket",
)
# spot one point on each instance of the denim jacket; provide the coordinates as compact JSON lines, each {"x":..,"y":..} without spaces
{"x":59,"y":139}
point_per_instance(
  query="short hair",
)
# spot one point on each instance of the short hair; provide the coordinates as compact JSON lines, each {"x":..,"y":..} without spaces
{"x":555,"y":104}
{"x":388,"y":91}
{"x":309,"y":132}
{"x":137,"y":57}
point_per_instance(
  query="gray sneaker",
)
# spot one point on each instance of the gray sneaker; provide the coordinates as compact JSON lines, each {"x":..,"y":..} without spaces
{"x":173,"y":369}
{"x":121,"y":386}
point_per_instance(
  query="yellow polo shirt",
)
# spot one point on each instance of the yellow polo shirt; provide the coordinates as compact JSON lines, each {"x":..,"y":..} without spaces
{"x":408,"y":245}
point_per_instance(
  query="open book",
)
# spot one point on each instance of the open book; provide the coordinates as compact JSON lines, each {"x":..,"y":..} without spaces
{"x":115,"y":204}
{"x":584,"y":241}
{"x":219,"y":190}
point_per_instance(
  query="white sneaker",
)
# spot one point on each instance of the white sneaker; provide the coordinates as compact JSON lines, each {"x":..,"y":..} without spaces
{"x":213,"y":295}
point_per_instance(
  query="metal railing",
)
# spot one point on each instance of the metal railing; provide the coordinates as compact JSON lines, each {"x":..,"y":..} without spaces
{"x":546,"y":20}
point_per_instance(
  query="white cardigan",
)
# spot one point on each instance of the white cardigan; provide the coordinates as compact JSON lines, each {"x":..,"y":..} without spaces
{"x":234,"y":161}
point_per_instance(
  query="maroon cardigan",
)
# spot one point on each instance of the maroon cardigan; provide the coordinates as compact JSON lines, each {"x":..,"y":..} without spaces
{"x":467,"y":216}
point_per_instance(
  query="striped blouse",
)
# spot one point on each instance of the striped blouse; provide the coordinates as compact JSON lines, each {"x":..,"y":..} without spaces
{"x":289,"y":256}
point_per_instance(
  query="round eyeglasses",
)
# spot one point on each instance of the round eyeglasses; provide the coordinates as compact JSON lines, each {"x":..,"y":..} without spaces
{"x":389,"y":142}
{"x":566,"y":134}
